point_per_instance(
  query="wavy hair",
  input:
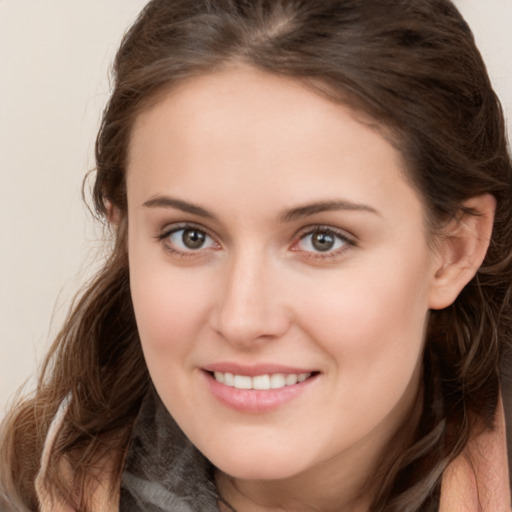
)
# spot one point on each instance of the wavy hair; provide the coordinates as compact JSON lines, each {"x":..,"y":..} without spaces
{"x":413,"y":67}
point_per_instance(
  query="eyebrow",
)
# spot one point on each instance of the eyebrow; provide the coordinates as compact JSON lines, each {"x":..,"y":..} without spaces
{"x":293,"y":214}
{"x":307,"y":210}
{"x":170,"y":202}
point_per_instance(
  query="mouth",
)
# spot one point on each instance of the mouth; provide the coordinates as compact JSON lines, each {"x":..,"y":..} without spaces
{"x":262,"y":382}
{"x":258,"y":392}
{"x":258,"y":388}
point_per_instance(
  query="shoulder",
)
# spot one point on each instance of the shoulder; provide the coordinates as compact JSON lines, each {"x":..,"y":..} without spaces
{"x":101,"y":498}
{"x":477,"y":480}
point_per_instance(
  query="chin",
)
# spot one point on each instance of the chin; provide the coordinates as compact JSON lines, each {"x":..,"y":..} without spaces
{"x":263,"y":466}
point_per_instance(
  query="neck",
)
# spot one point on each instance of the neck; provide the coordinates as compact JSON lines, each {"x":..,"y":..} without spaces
{"x":285,"y":495}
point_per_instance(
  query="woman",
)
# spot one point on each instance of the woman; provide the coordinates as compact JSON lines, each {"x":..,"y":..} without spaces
{"x":308,"y":301}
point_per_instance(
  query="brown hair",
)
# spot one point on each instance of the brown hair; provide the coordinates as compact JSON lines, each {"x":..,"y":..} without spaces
{"x":413,"y":66}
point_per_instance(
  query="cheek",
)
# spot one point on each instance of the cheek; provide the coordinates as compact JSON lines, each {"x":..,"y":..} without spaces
{"x":372,"y":322}
{"x":373,"y":333}
{"x":170,"y":306}
{"x":170,"y":312}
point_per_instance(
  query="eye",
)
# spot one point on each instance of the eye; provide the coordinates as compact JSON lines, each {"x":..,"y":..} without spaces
{"x":187,"y":239}
{"x":323,"y":240}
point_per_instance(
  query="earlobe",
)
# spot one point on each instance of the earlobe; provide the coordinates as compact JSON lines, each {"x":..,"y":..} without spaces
{"x":461,"y":249}
{"x":113,"y":214}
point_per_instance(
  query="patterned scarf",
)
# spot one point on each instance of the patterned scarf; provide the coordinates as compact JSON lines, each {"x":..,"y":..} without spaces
{"x":164,"y":471}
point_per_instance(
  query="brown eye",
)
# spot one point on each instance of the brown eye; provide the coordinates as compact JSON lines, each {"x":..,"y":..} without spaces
{"x":187,"y":239}
{"x":193,"y":238}
{"x":323,"y":241}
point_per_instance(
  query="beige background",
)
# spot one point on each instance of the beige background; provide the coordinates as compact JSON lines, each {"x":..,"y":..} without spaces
{"x":54,"y":57}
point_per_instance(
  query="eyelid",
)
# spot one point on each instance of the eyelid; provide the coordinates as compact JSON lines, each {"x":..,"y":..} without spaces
{"x":169,"y":229}
{"x":176,"y":226}
{"x":348,"y":239}
{"x":313,"y":228}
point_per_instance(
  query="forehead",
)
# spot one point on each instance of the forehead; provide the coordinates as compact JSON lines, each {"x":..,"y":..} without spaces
{"x":266,"y":103}
{"x":257,"y":132}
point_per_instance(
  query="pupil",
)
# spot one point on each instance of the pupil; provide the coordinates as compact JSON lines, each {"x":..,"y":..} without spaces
{"x":323,"y":241}
{"x":193,"y":239}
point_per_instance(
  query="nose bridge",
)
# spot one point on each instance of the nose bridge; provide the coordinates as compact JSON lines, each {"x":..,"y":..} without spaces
{"x":248,"y":308}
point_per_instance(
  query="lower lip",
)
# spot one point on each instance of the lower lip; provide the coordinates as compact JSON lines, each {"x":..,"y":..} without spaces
{"x":254,"y":400}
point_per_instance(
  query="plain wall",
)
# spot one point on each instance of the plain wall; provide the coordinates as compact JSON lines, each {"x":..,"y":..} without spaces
{"x":54,"y":58}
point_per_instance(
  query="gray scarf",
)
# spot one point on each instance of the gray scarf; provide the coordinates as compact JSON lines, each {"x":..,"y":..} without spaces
{"x":164,"y":471}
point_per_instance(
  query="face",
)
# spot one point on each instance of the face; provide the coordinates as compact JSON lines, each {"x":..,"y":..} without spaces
{"x":280,"y":273}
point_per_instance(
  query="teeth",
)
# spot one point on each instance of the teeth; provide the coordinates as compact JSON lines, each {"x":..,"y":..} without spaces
{"x":229,"y":380}
{"x":261,"y":382}
{"x":242,"y":382}
{"x":277,"y":381}
{"x":291,"y":379}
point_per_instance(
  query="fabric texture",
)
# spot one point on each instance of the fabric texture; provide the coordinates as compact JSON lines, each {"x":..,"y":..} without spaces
{"x":164,"y":472}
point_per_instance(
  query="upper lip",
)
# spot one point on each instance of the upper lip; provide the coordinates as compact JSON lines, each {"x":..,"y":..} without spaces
{"x":254,"y":370}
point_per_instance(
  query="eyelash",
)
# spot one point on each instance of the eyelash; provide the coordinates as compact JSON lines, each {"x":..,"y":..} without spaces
{"x":338,"y":235}
{"x":166,"y":233}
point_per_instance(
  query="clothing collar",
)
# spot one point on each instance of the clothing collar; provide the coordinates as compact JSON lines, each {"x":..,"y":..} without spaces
{"x":163,"y":470}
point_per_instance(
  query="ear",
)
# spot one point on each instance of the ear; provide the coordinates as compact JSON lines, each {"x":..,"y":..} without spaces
{"x":461,"y":249}
{"x":113,"y":214}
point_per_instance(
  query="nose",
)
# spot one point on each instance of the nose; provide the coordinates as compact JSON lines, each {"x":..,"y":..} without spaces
{"x":250,"y":306}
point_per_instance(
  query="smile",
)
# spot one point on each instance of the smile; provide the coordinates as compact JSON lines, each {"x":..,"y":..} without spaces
{"x":260,"y":382}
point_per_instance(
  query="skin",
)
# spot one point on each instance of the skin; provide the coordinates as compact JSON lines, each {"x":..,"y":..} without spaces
{"x":247,"y":147}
